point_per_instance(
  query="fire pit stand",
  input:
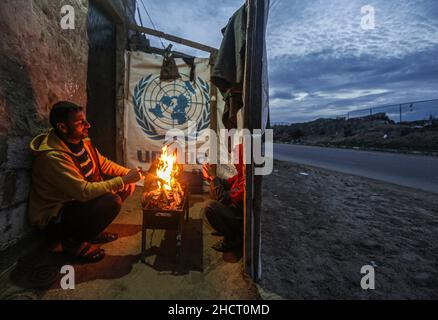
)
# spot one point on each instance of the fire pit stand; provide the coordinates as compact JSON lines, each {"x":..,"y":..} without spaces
{"x":179,"y":213}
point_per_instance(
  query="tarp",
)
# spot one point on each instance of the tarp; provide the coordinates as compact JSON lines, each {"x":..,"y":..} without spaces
{"x":153,"y":107}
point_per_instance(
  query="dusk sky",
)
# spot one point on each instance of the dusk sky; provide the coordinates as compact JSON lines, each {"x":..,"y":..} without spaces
{"x":322,"y":63}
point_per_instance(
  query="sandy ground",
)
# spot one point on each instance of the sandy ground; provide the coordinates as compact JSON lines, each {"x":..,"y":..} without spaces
{"x":320,"y":227}
{"x":201,"y":274}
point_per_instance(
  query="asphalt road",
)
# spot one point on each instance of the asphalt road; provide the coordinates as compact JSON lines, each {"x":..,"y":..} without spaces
{"x":420,"y":172}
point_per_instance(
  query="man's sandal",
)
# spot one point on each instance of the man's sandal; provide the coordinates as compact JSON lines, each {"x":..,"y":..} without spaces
{"x":104,"y":237}
{"x":223,"y":246}
{"x":84,"y":251}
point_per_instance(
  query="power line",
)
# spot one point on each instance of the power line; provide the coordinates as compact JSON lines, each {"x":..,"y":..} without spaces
{"x":139,"y":15}
{"x":273,"y":5}
{"x":398,"y":105}
{"x":152,"y":22}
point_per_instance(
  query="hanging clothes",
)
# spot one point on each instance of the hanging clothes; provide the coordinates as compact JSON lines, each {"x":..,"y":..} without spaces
{"x":169,"y":69}
{"x":228,"y":71}
{"x":233,"y":103}
{"x":190,"y":61}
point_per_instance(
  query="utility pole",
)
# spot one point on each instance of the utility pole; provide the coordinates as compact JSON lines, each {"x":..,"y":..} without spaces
{"x":400,"y":107}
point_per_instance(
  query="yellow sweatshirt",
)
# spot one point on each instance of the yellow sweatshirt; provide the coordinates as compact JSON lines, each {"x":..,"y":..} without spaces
{"x":57,"y":180}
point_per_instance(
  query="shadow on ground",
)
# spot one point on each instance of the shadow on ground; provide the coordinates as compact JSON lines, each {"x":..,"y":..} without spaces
{"x":40,"y":269}
{"x":166,"y":253}
{"x":200,"y":273}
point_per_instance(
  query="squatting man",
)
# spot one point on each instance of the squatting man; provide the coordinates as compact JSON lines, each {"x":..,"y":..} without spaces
{"x":76,"y":192}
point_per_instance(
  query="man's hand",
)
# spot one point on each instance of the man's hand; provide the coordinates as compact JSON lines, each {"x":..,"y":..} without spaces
{"x":153,"y":168}
{"x":132,"y":177}
{"x":208,"y":172}
{"x":130,"y":188}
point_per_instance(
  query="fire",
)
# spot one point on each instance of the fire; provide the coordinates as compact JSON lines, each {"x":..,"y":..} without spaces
{"x":167,"y":170}
{"x":168,"y":193}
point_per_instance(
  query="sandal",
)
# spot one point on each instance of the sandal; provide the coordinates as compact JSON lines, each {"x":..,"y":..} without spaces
{"x":84,"y":251}
{"x":223,"y":246}
{"x":104,"y":237}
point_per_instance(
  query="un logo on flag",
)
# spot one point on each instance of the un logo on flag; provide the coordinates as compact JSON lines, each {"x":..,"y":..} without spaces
{"x":161,"y":106}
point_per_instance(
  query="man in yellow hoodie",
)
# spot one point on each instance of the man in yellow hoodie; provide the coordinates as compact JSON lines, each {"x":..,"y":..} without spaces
{"x":76,"y":192}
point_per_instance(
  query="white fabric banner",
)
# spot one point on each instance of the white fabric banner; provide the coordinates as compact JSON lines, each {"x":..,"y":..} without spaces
{"x":153,"y":107}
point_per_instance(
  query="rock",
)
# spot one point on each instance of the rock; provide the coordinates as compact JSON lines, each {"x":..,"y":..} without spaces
{"x":13,"y":225}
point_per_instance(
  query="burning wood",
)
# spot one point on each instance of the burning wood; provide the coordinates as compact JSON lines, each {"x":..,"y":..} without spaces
{"x":168,"y":193}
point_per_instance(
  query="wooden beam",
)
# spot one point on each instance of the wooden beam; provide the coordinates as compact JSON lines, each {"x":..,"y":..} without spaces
{"x":213,"y":105}
{"x":172,"y":38}
{"x":247,"y":89}
{"x":257,"y":123}
{"x":253,"y":109}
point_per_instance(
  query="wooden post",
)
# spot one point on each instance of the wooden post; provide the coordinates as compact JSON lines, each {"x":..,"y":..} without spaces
{"x":247,"y":205}
{"x":253,"y":112}
{"x":400,"y":109}
{"x":124,"y":154}
{"x":213,"y":104}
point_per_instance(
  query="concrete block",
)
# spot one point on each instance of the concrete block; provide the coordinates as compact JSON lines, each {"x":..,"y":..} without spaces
{"x":13,"y":225}
{"x":18,"y":155}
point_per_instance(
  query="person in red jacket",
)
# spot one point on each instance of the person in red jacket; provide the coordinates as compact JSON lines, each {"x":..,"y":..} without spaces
{"x":225,"y":211}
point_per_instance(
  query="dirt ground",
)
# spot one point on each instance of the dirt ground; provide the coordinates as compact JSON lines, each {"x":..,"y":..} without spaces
{"x":202,"y":273}
{"x":320,"y":227}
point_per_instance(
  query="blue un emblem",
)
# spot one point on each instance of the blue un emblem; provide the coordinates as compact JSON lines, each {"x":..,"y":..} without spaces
{"x":161,"y":106}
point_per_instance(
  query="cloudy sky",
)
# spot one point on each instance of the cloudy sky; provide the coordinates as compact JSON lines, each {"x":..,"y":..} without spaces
{"x":323,"y":60}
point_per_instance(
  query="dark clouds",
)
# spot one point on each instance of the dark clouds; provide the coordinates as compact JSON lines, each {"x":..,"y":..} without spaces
{"x":334,"y":86}
{"x":320,"y":52}
{"x":282,"y":95}
{"x":198,"y":20}
{"x":321,"y":62}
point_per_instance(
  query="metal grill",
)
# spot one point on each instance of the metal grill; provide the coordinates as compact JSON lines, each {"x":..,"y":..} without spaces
{"x":180,"y":214}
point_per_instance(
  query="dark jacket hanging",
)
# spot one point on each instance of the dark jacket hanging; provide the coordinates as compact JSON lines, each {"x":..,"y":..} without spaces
{"x":228,"y":70}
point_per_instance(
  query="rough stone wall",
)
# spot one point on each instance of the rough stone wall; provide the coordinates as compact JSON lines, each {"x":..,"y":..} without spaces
{"x":40,"y":64}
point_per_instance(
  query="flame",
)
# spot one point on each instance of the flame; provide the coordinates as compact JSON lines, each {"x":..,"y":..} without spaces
{"x":167,"y":169}
{"x":168,"y":194}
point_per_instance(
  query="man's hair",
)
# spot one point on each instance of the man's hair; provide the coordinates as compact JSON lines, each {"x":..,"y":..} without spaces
{"x":61,"y":111}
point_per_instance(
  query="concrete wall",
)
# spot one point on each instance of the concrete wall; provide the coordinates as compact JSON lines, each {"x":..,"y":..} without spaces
{"x":40,"y":64}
